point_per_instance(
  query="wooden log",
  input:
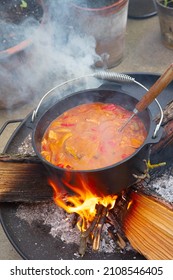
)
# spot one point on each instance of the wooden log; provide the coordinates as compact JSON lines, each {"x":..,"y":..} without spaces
{"x":167,"y":124}
{"x":165,"y":145}
{"x":167,"y":114}
{"x":23,"y":178}
{"x":14,"y":158}
{"x":148,"y":225}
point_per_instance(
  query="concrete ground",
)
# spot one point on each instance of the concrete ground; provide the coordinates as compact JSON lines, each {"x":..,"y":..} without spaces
{"x":144,"y":53}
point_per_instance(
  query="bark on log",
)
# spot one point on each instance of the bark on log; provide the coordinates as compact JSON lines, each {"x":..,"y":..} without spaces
{"x":23,"y":178}
{"x":166,"y":142}
{"x":167,"y":124}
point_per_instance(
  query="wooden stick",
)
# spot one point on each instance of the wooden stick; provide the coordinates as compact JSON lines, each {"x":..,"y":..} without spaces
{"x":94,"y":222}
{"x":98,"y":229}
{"x":156,"y":89}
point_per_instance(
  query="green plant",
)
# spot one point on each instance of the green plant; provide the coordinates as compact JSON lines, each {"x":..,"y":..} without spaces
{"x":167,"y":2}
{"x":23,"y":4}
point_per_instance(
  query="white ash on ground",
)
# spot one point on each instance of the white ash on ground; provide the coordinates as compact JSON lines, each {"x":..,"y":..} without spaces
{"x":51,"y":215}
{"x":163,"y":186}
{"x":26,"y":146}
{"x":60,"y":224}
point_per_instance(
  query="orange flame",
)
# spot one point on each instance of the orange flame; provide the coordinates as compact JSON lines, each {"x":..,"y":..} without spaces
{"x":84,"y":200}
{"x":129,"y":204}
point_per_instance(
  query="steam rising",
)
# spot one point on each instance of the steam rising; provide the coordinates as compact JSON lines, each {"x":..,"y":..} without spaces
{"x":57,"y":54}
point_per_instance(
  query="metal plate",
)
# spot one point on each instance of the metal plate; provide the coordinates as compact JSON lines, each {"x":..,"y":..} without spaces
{"x":34,"y":241}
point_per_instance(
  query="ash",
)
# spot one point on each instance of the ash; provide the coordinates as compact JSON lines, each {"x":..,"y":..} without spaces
{"x":163,"y":186}
{"x":26,"y":146}
{"x":53,"y":216}
{"x":61,"y":224}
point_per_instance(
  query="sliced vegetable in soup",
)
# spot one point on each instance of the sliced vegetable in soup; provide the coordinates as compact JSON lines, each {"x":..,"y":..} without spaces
{"x":87,"y":137}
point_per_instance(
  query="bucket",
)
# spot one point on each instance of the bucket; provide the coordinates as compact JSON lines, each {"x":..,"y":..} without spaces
{"x":165,"y":14}
{"x":107,"y":24}
{"x":16,"y":50}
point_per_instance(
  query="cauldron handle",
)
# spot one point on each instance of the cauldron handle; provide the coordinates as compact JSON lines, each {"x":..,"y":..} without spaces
{"x":7,"y":123}
{"x":160,"y":108}
{"x":103,"y":75}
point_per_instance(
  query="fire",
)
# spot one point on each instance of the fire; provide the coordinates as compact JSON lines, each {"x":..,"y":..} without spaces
{"x":83,"y":202}
{"x":129,"y":204}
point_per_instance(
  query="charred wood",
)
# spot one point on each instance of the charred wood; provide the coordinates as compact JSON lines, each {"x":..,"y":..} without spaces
{"x":98,"y":229}
{"x":167,"y":125}
{"x":94,"y":222}
{"x":167,"y":114}
{"x":92,"y":234}
{"x":19,"y":158}
{"x":23,"y":178}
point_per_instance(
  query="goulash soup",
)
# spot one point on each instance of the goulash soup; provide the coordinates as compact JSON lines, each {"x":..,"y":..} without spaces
{"x":87,"y":137}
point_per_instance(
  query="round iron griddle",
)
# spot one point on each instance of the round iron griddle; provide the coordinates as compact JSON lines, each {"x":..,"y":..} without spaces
{"x":34,"y":241}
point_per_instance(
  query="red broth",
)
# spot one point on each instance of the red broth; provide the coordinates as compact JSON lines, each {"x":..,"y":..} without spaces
{"x":87,"y":137}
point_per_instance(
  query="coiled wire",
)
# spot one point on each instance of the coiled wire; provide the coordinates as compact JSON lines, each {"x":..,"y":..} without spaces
{"x":113,"y":76}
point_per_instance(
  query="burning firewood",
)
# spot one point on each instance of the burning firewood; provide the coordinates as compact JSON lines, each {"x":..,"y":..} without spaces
{"x":93,"y":231}
{"x":104,"y":215}
{"x":98,"y":229}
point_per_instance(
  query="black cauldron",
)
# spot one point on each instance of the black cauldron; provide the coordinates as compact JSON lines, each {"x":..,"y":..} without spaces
{"x":111,"y":179}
